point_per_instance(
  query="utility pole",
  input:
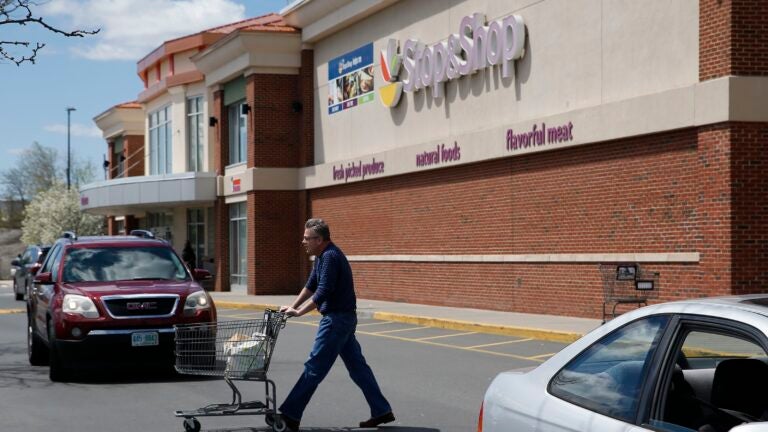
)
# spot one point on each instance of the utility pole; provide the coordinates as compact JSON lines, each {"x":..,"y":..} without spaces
{"x":69,"y":111}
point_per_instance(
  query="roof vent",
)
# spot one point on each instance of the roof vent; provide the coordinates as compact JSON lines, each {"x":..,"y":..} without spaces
{"x":69,"y":235}
{"x":143,"y":234}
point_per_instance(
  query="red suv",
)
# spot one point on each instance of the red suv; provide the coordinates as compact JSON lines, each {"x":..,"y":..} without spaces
{"x":106,"y":300}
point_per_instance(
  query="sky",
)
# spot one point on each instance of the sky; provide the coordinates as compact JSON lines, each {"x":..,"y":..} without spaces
{"x":93,"y":73}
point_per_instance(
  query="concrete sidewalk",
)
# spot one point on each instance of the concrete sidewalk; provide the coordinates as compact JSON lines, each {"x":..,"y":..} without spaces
{"x":545,"y":327}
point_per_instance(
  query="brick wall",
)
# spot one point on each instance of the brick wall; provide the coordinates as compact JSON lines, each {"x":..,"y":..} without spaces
{"x":274,"y":126}
{"x":111,"y":226}
{"x":220,"y":209}
{"x":667,"y":192}
{"x":221,"y":244}
{"x":749,"y":192}
{"x":732,"y":38}
{"x":307,"y":98}
{"x":134,"y":153}
{"x":274,"y":240}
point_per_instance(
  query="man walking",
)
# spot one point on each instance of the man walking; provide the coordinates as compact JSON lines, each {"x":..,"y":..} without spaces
{"x":330,"y":289}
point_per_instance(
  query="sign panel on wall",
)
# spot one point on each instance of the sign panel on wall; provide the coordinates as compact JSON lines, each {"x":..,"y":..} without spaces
{"x":350,"y":79}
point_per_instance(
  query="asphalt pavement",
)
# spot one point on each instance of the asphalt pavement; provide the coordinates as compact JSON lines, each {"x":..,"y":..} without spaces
{"x":542,"y":327}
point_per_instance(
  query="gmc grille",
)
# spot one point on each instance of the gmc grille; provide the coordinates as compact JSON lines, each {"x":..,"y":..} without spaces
{"x":141,"y":306}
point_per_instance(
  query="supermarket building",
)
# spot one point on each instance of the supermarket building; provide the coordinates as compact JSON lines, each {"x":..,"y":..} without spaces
{"x":494,"y":155}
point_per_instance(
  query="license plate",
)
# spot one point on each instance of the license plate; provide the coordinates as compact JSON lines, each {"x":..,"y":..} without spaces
{"x":145,"y":339}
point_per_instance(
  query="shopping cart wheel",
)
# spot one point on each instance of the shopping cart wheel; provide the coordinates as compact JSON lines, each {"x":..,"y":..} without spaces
{"x":269,"y":419}
{"x":277,"y":423}
{"x":191,"y":425}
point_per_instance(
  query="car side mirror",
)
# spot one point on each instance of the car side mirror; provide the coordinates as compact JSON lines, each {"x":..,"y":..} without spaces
{"x":201,"y":274}
{"x":35,"y":268}
{"x":15,"y":262}
{"x":44,"y":278}
{"x":751,"y":427}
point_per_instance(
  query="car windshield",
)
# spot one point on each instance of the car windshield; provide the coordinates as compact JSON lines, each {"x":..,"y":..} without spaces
{"x":106,"y":264}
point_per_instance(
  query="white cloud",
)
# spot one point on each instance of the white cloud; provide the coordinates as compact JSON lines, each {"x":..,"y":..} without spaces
{"x":16,"y":151}
{"x":131,"y":29}
{"x":76,"y":129}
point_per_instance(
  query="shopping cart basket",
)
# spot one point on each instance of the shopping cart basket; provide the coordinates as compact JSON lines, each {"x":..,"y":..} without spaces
{"x":235,"y":350}
{"x":625,"y":284}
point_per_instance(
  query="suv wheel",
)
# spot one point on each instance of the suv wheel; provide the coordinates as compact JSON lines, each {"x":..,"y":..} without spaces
{"x":36,"y":350}
{"x":58,"y":372}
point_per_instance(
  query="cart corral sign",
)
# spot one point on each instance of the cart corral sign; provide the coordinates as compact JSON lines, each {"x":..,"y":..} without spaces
{"x":475,"y":47}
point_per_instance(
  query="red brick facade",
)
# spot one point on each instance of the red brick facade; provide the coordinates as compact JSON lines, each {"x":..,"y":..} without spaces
{"x":732,"y":38}
{"x":671,"y":192}
{"x":280,"y":135}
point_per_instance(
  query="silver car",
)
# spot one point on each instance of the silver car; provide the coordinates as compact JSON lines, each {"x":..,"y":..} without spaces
{"x":689,"y":366}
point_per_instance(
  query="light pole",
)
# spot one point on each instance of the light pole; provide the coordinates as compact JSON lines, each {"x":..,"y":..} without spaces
{"x":69,"y":111}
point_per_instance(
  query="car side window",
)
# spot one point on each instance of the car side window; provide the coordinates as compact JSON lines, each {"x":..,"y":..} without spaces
{"x":56,"y":262}
{"x":48,"y":263}
{"x":718,"y":381}
{"x":607,"y":377}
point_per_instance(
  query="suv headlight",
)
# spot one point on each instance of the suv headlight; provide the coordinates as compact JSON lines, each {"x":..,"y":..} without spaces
{"x":196,"y":301}
{"x":81,"y":305}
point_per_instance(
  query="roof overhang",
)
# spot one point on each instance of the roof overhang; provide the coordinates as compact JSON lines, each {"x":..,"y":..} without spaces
{"x":319,"y":19}
{"x":119,"y":120}
{"x":253,"y":52}
{"x":132,"y":195}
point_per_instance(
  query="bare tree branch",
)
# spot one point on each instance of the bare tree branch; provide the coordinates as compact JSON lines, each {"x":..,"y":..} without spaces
{"x":19,"y":13}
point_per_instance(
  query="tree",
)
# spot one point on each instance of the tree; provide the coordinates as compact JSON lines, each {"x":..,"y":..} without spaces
{"x":54,"y":211}
{"x":19,"y":13}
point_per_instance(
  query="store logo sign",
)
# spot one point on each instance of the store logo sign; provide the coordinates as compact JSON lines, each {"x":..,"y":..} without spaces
{"x":477,"y":46}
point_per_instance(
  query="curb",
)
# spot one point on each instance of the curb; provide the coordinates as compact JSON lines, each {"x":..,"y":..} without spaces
{"x":524,"y":332}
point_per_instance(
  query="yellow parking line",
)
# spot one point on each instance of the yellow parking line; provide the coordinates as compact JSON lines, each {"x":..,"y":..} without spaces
{"x":540,"y":356}
{"x":445,"y":336}
{"x":11,"y":311}
{"x":499,"y":343}
{"x":375,"y":323}
{"x":450,"y":346}
{"x":400,"y":330}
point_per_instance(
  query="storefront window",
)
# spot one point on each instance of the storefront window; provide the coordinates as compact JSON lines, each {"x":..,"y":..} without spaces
{"x":238,"y":132}
{"x":196,"y":233}
{"x":160,"y":224}
{"x":118,"y":158}
{"x":238,"y":252}
{"x":195,"y":128}
{"x":160,"y":154}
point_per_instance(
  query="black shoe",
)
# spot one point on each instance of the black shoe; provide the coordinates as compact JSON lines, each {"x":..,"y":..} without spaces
{"x":291,"y":424}
{"x":375,"y":421}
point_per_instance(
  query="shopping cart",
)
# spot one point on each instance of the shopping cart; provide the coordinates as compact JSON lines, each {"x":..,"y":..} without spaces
{"x":236,"y":350}
{"x":626,"y":283}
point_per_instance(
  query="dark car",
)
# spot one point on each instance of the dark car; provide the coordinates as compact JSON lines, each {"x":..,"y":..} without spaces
{"x":101,"y":301}
{"x":26,"y":266}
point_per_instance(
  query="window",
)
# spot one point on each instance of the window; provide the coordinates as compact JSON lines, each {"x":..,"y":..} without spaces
{"x":238,"y":240}
{"x":122,"y":263}
{"x":238,"y":132}
{"x":48,"y":263}
{"x":118,"y":158}
{"x":160,"y":154}
{"x":718,"y":381}
{"x":195,"y":130}
{"x":160,"y":224}
{"x":608,"y":376}
{"x":196,"y":233}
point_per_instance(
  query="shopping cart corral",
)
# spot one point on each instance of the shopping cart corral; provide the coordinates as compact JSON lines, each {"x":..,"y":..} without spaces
{"x":235,"y":350}
{"x":627,"y":284}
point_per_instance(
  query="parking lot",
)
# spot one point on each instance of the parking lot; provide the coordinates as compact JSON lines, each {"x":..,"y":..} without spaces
{"x":523,"y":349}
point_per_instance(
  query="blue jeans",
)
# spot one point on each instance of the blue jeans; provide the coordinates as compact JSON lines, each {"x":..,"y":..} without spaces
{"x":335,"y":337}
